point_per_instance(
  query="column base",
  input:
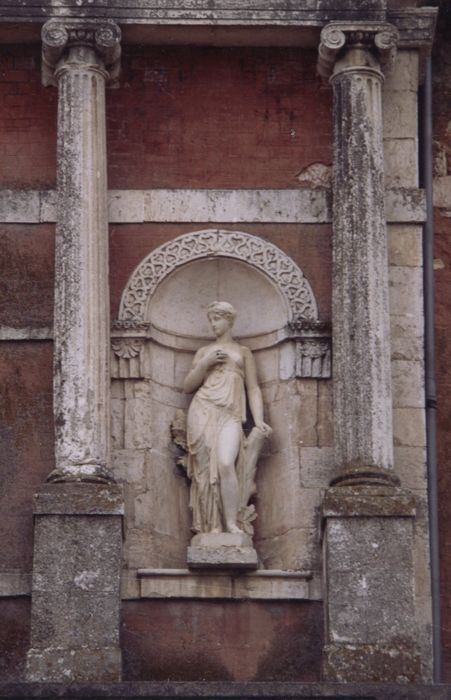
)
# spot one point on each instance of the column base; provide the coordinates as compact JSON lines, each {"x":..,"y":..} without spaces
{"x":365,"y":475}
{"x":371,"y":663}
{"x":65,"y":664}
{"x":89,"y":473}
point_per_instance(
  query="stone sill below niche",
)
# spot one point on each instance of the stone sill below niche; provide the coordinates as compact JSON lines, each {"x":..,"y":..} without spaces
{"x":254,"y":585}
{"x":264,"y":584}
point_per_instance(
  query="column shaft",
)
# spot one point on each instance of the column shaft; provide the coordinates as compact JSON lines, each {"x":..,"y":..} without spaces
{"x":81,"y":378}
{"x":361,"y":337}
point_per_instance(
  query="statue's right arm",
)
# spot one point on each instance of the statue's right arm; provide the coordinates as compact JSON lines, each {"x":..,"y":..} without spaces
{"x":196,"y":375}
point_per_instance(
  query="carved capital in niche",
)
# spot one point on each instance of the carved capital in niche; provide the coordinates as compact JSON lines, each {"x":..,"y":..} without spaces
{"x":337,"y":38}
{"x":313,"y":348}
{"x":313,"y":358}
{"x":128,"y":339}
{"x":63,"y":41}
{"x":126,"y":348}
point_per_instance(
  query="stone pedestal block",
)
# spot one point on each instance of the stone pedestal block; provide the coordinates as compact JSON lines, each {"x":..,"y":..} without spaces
{"x":370,"y":616}
{"x":222,"y":550}
{"x":76,"y":584}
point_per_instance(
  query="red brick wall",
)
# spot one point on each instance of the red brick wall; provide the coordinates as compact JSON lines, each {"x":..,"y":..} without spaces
{"x":221,"y":640}
{"x":182,"y":117}
{"x":26,"y":421}
{"x":14,"y":637}
{"x":27,"y":121}
{"x":208,"y":117}
{"x":26,"y":437}
{"x":26,"y":275}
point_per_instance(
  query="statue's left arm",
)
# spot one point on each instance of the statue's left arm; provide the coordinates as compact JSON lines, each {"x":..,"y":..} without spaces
{"x":254,"y":393}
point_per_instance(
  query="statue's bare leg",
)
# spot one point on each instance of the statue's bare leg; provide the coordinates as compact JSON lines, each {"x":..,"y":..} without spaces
{"x":228,"y":446}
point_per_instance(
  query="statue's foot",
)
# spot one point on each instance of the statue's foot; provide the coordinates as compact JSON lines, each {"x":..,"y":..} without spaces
{"x":234,"y":529}
{"x":215,"y":531}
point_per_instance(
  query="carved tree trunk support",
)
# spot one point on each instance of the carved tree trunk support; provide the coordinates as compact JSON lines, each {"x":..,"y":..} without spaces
{"x":368,"y":518}
{"x":76,"y":570}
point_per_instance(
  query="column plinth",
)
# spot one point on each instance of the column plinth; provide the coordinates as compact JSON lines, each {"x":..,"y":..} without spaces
{"x":77,"y":58}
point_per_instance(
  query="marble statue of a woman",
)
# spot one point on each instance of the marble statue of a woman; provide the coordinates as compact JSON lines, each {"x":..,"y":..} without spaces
{"x":221,"y":375}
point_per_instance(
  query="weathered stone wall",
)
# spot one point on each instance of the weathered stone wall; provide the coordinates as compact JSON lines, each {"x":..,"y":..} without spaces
{"x":442,"y":252}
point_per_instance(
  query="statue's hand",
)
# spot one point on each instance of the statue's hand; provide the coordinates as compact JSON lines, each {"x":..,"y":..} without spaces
{"x":264,"y":427}
{"x":214,"y":357}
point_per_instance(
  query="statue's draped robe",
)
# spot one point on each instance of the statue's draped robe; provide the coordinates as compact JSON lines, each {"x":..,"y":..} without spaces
{"x":220,"y":400}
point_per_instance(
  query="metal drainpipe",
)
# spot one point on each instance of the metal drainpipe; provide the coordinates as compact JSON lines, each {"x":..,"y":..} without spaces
{"x":430,"y":387}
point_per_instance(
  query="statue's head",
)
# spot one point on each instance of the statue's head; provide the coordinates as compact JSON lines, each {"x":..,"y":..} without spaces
{"x":222,"y":309}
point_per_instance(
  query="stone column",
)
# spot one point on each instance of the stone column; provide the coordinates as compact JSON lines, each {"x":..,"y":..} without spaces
{"x":361,"y":331}
{"x":79,"y":59}
{"x":78,"y":515}
{"x":368,"y":518}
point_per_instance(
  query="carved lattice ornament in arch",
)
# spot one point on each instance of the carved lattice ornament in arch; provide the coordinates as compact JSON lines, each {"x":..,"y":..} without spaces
{"x":217,"y":243}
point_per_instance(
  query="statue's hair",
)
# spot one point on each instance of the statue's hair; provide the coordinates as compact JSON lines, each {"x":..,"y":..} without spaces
{"x":223,"y":308}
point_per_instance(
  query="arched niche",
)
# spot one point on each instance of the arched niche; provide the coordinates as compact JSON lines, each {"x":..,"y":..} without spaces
{"x":261,"y":308}
{"x":217,"y":244}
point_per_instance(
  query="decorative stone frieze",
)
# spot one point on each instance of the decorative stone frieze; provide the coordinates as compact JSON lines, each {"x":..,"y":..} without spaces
{"x":77,"y":57}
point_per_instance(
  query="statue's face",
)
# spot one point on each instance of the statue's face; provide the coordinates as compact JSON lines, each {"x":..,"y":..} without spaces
{"x":220,"y":324}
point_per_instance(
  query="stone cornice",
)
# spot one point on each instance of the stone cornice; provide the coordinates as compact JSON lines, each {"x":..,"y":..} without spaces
{"x":337,"y":37}
{"x":59,"y":35}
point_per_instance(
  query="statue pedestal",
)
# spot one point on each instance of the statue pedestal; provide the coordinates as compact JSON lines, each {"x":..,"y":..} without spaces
{"x":221,"y":550}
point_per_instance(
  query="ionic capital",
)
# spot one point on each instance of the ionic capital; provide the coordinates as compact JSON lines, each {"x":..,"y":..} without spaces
{"x":375,"y":38}
{"x":59,"y":36}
